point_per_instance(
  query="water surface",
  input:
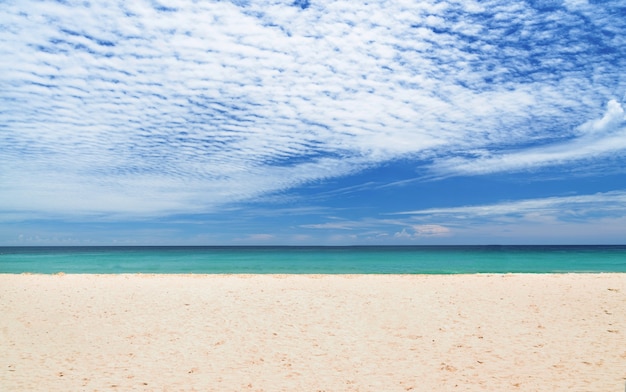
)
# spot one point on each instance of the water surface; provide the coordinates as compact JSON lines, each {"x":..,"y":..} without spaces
{"x":314,"y":260}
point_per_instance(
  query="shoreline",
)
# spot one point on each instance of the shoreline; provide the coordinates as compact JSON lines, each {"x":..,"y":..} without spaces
{"x":354,"y":332}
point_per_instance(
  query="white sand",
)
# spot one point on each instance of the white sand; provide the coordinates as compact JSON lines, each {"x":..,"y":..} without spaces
{"x":313,"y":333}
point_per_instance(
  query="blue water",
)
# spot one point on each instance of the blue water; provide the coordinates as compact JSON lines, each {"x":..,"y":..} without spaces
{"x":318,"y":260}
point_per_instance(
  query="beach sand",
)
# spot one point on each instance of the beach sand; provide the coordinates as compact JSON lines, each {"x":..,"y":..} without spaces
{"x":549,"y":332}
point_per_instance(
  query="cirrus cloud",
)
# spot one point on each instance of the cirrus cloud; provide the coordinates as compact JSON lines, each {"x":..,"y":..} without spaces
{"x":135,"y":110}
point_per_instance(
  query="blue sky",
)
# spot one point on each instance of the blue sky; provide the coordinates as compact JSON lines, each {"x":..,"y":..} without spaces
{"x":312,"y":122}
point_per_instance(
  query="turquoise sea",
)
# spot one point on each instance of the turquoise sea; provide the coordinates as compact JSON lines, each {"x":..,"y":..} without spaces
{"x":314,"y":260}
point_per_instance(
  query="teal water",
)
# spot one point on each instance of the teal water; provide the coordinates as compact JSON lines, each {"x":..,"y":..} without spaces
{"x":314,"y":260}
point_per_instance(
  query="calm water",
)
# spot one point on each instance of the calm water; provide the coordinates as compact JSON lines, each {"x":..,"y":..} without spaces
{"x":325,"y":260}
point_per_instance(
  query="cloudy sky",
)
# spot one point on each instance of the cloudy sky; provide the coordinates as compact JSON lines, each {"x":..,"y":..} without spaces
{"x":312,"y":122}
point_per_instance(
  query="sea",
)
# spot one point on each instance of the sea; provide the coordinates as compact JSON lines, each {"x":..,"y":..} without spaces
{"x":313,"y":259}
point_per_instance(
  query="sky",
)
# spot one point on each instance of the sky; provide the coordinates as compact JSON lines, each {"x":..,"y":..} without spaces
{"x":312,"y":122}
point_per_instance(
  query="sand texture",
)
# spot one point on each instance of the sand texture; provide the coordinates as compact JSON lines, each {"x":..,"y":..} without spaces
{"x":313,"y":333}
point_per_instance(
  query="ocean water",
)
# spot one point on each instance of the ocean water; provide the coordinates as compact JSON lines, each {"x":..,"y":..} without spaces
{"x":314,"y":260}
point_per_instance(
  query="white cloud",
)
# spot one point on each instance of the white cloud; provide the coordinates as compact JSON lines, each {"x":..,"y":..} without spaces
{"x":430,"y":230}
{"x":562,"y":208}
{"x":597,"y":138}
{"x":404,"y":234}
{"x":420,"y":231}
{"x":591,"y":218}
{"x":120,"y":109}
{"x":262,"y":237}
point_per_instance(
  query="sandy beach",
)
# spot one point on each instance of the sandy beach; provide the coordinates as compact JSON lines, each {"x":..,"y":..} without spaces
{"x":553,"y":332}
